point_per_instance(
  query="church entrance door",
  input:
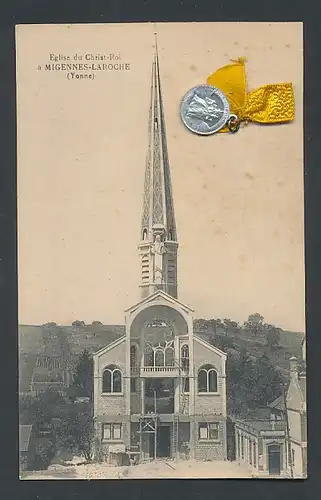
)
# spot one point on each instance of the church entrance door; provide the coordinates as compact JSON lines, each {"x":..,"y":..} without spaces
{"x":164,"y":441}
{"x":274,"y":458}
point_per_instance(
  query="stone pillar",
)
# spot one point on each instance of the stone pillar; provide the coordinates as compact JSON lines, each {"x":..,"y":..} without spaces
{"x":193,"y":437}
{"x":255,"y":454}
{"x":177,"y":391}
{"x":224,"y":434}
{"x":265,"y":463}
{"x":142,"y":395}
{"x":142,"y":350}
{"x":126,"y":430}
{"x":177,"y":350}
{"x":242,"y":446}
{"x":126,"y":378}
{"x":97,"y":441}
{"x":237,"y":450}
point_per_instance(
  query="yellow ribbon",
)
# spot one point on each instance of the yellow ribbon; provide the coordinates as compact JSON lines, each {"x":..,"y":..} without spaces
{"x":273,"y":103}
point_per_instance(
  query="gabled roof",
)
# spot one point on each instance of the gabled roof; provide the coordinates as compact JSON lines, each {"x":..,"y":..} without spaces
{"x":296,"y":394}
{"x":24,"y":437}
{"x":209,"y":346}
{"x":277,"y":404}
{"x":159,"y":294}
{"x":258,"y":426}
{"x":110,"y":346}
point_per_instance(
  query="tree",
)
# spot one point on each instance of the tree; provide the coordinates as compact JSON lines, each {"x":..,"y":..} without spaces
{"x":268,"y":382}
{"x":254,"y":324}
{"x":39,"y":411}
{"x":40,"y":408}
{"x":96,"y":323}
{"x":64,"y":438}
{"x":42,"y":452}
{"x":78,"y":323}
{"x":82,"y":384}
{"x":222,"y":342}
{"x":219,"y":325}
{"x":272,"y":336}
{"x":49,"y":324}
{"x":251,"y":382}
{"x":212,"y":325}
{"x":200,"y":324}
{"x":239,"y":368}
{"x":230,"y":326}
{"x":81,"y":430}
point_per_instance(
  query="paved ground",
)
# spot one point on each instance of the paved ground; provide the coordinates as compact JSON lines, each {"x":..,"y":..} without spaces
{"x":152,"y":470}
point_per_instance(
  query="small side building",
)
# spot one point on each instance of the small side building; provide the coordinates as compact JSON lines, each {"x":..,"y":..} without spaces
{"x":297,"y":418}
{"x":260,"y":442}
{"x":275,"y":445}
{"x":24,"y":445}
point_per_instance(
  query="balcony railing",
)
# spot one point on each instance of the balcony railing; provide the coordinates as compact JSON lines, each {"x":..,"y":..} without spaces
{"x":159,"y":368}
{"x":159,"y":371}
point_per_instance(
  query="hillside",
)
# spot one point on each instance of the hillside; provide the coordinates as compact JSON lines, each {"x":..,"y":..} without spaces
{"x":289,"y":345}
{"x":47,"y":354}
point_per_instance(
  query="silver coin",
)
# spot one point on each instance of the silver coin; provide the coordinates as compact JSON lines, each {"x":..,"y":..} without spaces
{"x":204,"y":109}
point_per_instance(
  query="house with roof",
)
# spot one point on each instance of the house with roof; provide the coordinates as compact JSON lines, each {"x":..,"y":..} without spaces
{"x":260,"y":442}
{"x":297,"y":421}
{"x":25,"y":432}
{"x":274,"y":444}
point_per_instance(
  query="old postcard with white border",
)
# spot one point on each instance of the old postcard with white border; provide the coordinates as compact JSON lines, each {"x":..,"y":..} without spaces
{"x":161,"y":271}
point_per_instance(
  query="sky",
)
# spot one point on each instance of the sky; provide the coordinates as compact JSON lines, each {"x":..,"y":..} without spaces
{"x":81,"y":154}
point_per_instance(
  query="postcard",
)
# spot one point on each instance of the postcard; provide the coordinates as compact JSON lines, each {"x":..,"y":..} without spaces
{"x":161,"y":251}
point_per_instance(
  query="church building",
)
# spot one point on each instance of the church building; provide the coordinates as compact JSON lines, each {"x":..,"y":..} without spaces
{"x":160,"y":389}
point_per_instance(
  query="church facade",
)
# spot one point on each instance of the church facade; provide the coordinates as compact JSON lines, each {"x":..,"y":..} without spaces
{"x":160,"y":389}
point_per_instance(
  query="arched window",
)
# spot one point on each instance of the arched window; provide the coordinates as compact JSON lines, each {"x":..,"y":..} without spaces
{"x":169,"y":356}
{"x":159,"y":357}
{"x":185,"y":357}
{"x":112,"y":379}
{"x":162,"y":354}
{"x":170,"y":235}
{"x":133,"y":356}
{"x":145,"y":234}
{"x":148,"y":355}
{"x":107,"y":376}
{"x":207,"y":379}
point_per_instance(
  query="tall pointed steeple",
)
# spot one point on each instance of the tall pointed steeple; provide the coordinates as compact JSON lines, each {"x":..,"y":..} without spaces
{"x":158,"y":246}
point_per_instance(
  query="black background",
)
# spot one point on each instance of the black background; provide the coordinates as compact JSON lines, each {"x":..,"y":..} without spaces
{"x":54,"y":11}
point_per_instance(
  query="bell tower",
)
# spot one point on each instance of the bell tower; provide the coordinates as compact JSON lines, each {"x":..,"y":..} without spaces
{"x":158,"y":239}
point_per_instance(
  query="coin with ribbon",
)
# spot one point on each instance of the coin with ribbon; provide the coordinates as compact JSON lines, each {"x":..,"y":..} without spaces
{"x":223,"y":103}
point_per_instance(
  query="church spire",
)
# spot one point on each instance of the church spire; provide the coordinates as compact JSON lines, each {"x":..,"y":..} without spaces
{"x":158,"y":247}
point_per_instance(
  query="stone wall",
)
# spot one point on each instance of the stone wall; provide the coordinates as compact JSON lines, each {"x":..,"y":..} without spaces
{"x":211,"y":449}
{"x":102,"y":447}
{"x":209,"y":403}
{"x":111,"y":404}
